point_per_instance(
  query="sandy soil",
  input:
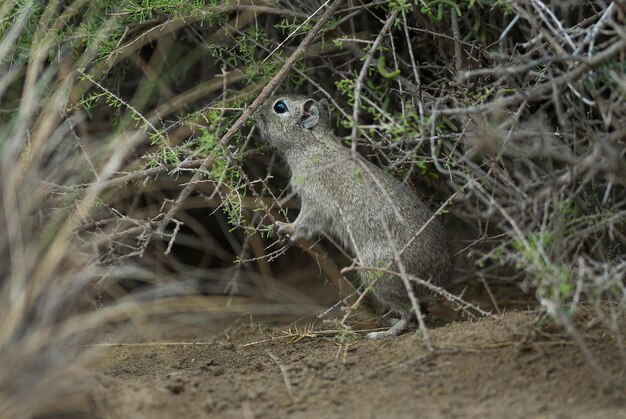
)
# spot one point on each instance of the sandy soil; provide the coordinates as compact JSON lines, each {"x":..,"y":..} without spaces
{"x":506,"y":367}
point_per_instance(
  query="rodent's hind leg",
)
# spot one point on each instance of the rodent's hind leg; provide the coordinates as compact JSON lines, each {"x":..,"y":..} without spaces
{"x":393,"y":320}
{"x":399,"y":327}
{"x":413,"y":319}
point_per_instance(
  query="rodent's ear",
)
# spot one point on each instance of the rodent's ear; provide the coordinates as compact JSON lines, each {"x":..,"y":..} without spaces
{"x":325,"y":109}
{"x":310,"y":114}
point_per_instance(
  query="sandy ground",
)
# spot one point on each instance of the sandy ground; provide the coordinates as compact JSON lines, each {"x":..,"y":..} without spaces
{"x":505,"y":367}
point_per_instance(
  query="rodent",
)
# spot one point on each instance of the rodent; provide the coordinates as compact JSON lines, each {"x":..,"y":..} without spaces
{"x":356,"y":203}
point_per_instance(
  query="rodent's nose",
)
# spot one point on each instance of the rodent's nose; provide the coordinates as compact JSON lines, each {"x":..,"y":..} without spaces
{"x":260,"y":124}
{"x":260,"y":121}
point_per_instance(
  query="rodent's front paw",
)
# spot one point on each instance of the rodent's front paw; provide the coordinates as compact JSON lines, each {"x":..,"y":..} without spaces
{"x":284,"y":231}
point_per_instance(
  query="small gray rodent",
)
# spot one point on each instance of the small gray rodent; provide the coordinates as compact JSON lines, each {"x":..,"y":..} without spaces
{"x":372,"y":214}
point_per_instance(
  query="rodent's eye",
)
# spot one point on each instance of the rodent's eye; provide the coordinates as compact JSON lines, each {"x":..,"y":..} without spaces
{"x":280,"y":107}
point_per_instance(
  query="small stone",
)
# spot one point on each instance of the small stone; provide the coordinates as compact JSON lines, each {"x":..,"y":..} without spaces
{"x":228,"y":346}
{"x":175,"y":387}
{"x":217,"y":371}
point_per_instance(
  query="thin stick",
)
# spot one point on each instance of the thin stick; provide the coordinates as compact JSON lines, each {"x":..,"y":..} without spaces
{"x":409,"y":289}
{"x":283,"y":371}
{"x":458,"y":57}
{"x":363,"y":73}
{"x":139,"y":344}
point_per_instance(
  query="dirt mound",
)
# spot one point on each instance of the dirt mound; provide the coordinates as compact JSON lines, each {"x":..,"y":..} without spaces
{"x":506,"y":367}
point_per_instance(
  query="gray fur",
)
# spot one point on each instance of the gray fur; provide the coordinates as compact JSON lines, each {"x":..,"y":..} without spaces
{"x":357,"y":203}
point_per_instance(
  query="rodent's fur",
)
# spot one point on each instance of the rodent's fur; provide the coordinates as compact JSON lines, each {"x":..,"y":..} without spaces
{"x":372,"y":214}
